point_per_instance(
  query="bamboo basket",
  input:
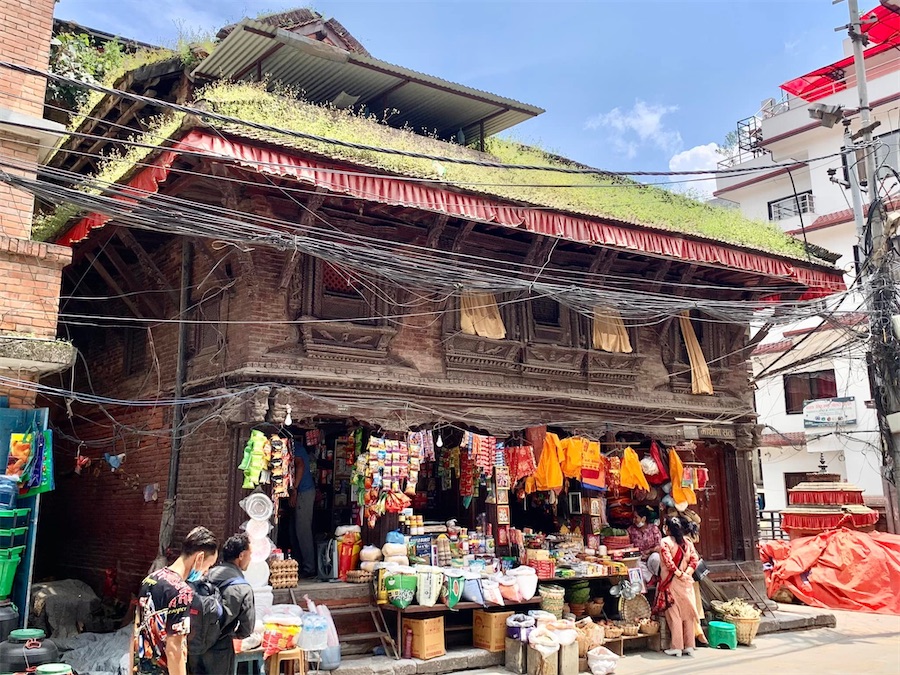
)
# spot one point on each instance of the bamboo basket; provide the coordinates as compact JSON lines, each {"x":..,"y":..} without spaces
{"x":745,"y":628}
{"x":648,"y":626}
{"x":629,"y":629}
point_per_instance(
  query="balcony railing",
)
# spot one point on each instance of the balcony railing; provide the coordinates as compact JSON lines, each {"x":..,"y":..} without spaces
{"x":791,"y":206}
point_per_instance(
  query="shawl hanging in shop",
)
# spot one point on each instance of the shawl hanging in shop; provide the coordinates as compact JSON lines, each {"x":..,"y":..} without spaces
{"x":632,"y":475}
{"x":549,"y":475}
{"x":571,"y":456}
{"x":610,"y":334}
{"x":479,"y":315}
{"x":593,"y":467}
{"x":701,"y":383}
{"x":680,"y":494}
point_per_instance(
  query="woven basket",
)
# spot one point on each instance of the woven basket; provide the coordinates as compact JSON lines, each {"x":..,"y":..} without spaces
{"x":552,"y":599}
{"x":648,"y":627}
{"x":745,"y":628}
{"x":613,"y":542}
{"x":635,"y":609}
{"x":629,"y":629}
{"x":595,"y":608}
{"x":284,"y":574}
{"x":612,"y":632}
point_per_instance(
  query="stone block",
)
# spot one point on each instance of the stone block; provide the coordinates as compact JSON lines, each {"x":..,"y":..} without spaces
{"x":481,"y":658}
{"x":515,"y":656}
{"x":443,"y":664}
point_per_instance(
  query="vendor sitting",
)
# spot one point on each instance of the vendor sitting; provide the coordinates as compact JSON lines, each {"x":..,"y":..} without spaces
{"x":645,"y":536}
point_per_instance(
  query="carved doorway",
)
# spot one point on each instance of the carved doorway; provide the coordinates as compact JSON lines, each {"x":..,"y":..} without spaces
{"x":712,"y":506}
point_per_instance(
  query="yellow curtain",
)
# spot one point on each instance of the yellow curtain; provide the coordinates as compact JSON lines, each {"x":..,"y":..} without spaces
{"x":701,"y":383}
{"x":479,"y":315}
{"x":610,"y":333}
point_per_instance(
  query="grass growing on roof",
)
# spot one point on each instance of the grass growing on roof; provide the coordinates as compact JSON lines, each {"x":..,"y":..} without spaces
{"x":613,"y":197}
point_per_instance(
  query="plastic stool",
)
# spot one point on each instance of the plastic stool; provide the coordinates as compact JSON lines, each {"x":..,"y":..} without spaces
{"x":255,"y":660}
{"x":290,"y":658}
{"x":722,"y":634}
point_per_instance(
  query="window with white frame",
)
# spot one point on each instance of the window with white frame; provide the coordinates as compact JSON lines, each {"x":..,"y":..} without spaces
{"x":887,"y":152}
{"x":791,"y":206}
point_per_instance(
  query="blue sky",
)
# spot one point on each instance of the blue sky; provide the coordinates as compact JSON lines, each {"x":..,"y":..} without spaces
{"x":626,"y":85}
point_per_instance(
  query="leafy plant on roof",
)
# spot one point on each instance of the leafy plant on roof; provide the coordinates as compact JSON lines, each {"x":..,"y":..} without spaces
{"x":75,"y":56}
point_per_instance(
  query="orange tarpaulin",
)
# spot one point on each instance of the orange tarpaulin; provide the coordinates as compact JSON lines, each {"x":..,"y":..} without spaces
{"x":839,"y":569}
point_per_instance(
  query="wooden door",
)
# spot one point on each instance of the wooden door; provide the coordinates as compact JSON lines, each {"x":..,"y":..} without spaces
{"x":712,"y":506}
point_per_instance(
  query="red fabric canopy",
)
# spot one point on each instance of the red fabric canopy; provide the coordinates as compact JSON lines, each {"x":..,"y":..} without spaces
{"x":481,"y":208}
{"x":840,"y":569}
{"x":830,"y":79}
{"x":885,"y":28}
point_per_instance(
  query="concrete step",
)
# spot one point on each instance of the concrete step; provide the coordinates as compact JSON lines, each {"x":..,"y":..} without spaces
{"x":454,"y":661}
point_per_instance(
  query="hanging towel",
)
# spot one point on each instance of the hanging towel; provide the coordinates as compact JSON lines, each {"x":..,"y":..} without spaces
{"x":610,"y":334}
{"x":479,"y":315}
{"x":701,"y":383}
{"x":549,"y":475}
{"x":632,"y":475}
{"x":680,"y":494}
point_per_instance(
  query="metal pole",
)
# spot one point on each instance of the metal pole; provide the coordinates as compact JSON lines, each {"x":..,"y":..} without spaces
{"x":875,"y":282}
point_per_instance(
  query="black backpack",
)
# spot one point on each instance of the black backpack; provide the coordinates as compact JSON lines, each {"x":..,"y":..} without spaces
{"x":207,"y":613}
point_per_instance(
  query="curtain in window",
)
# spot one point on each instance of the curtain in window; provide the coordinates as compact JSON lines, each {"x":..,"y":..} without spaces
{"x":610,"y":333}
{"x":701,"y":383}
{"x":479,"y":315}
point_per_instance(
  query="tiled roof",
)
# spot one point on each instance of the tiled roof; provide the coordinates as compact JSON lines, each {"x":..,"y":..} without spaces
{"x":839,"y":217}
{"x":773,"y":347}
{"x":848,"y":320}
{"x":792,"y":439}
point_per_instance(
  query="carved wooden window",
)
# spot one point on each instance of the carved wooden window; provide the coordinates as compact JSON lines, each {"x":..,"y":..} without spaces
{"x":134,"y":352}
{"x":548,"y":321}
{"x":209,"y":332}
{"x":340,"y":295}
{"x":713,"y":337}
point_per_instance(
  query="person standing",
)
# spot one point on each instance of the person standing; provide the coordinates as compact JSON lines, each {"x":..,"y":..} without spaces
{"x":303,"y":498}
{"x":675,"y":592}
{"x":163,"y":619}
{"x":238,"y":608}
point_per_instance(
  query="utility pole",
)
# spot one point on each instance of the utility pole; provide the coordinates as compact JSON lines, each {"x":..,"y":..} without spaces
{"x":876,"y":281}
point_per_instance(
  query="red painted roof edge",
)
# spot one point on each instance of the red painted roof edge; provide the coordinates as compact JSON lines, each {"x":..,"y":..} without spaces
{"x":840,"y":217}
{"x":773,"y":347}
{"x":790,"y":439}
{"x":818,"y":279}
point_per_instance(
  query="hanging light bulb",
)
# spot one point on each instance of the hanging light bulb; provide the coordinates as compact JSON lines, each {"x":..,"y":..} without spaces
{"x":440,"y":440}
{"x":287,"y":418}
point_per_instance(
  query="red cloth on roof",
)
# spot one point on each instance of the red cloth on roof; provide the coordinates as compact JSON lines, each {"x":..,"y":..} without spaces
{"x":839,"y":569}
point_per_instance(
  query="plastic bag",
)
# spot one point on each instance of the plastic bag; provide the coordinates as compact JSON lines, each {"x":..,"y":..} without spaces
{"x":601,"y":661}
{"x":490,"y":589}
{"x":563,"y":631}
{"x":348,"y":554}
{"x":430,"y":580}
{"x":280,"y":636}
{"x":395,"y":537}
{"x":370,"y":554}
{"x":401,"y":589}
{"x":43,"y":480}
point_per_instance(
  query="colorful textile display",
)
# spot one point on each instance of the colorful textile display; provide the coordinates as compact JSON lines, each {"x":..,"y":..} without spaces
{"x":632,"y":476}
{"x":571,"y":455}
{"x":549,"y":475}
{"x":680,"y":492}
{"x":520,"y":460}
{"x":593,"y":469}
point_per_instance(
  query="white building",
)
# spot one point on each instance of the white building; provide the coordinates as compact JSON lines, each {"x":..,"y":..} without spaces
{"x":818,"y":359}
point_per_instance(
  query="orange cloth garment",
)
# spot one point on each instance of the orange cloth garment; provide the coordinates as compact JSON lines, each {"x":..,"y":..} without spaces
{"x":549,"y":475}
{"x":571,"y":456}
{"x":593,"y":471}
{"x":632,"y":475}
{"x":676,"y":471}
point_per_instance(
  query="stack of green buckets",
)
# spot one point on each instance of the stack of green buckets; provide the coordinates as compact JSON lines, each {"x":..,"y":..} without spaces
{"x":13,"y":538}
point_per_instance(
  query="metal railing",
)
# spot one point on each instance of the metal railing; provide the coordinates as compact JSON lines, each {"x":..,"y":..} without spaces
{"x":770,"y":526}
{"x":792,"y":206}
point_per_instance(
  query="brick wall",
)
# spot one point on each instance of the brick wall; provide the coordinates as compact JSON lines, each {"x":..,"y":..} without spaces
{"x":25,"y":30}
{"x":29,"y":285}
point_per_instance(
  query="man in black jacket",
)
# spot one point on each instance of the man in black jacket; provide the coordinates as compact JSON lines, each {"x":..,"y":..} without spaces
{"x":238,"y":611}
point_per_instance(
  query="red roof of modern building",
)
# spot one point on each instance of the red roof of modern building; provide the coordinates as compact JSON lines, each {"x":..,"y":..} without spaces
{"x":840,"y":217}
{"x":773,"y":347}
{"x":792,"y":439}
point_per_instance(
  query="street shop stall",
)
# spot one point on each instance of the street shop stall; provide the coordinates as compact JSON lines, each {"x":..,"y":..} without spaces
{"x":450,"y":519}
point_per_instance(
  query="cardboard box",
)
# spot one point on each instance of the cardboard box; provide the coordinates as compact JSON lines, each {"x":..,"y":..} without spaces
{"x":489,"y":630}
{"x":427,"y":637}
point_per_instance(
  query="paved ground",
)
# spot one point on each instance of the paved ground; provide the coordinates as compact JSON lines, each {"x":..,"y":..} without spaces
{"x":861,"y":643}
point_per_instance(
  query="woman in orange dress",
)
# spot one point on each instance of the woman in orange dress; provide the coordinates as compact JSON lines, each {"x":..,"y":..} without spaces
{"x":675,"y":593}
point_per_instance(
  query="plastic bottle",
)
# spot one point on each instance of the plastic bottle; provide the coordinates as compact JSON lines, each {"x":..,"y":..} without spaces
{"x":407,"y":643}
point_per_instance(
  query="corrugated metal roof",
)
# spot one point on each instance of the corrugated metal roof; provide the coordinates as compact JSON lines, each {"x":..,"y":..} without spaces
{"x":324,"y":72}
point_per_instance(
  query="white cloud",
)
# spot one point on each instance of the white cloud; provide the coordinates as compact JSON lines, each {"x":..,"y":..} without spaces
{"x":698,"y":158}
{"x":641,"y":126}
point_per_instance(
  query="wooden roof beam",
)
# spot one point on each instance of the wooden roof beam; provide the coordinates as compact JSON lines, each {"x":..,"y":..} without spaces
{"x":152,"y":272}
{"x":114,"y":285}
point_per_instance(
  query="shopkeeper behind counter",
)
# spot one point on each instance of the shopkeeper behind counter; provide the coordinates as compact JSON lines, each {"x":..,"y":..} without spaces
{"x":646,"y":537}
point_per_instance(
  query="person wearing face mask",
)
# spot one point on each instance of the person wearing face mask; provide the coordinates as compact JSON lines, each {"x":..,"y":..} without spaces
{"x":645,"y":536}
{"x":675,"y":593}
{"x":238,"y":608}
{"x":162,"y":619}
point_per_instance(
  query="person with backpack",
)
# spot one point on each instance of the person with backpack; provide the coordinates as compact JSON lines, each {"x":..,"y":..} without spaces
{"x":163,"y":616}
{"x":211,"y":648}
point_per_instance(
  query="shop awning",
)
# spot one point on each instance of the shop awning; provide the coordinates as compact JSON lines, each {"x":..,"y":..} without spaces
{"x":819,"y":281}
{"x":881,"y":25}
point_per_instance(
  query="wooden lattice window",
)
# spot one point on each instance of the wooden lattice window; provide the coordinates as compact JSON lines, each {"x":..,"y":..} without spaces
{"x":338,"y":282}
{"x":545,"y":312}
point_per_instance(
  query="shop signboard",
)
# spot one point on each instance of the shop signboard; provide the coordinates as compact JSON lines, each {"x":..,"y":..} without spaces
{"x":829,"y":412}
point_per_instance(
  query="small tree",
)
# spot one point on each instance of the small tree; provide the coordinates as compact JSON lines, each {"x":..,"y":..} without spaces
{"x":75,"y":56}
